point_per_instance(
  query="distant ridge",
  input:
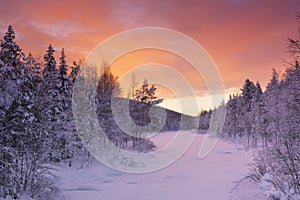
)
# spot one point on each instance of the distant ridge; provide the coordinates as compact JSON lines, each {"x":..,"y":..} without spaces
{"x":139,"y":112}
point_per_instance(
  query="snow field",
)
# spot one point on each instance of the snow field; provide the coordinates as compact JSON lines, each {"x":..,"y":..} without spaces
{"x":213,"y":177}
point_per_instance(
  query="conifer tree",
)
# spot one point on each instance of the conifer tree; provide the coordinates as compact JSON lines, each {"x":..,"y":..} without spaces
{"x":67,"y":139}
{"x":74,"y":72}
{"x":258,"y":91}
{"x":248,"y":96}
{"x":147,"y":95}
{"x":10,"y":64}
{"x":48,"y":98}
{"x":22,"y":162}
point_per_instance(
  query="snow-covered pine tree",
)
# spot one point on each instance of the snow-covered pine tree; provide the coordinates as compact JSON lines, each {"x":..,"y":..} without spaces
{"x":10,"y":62}
{"x":255,"y":115}
{"x":270,"y":113}
{"x":248,"y":96}
{"x":258,"y":91}
{"x":63,"y":110}
{"x":48,"y":99}
{"x":68,"y":141}
{"x":74,"y":72}
{"x":22,"y":162}
{"x":35,"y":68}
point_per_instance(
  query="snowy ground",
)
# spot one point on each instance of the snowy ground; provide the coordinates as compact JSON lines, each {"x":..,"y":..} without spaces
{"x":220,"y":176}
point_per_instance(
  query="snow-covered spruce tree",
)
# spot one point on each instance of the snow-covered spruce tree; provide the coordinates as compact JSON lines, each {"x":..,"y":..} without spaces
{"x":22,"y":164}
{"x":74,"y":72}
{"x":255,"y":115}
{"x":270,"y":114}
{"x":258,"y":91}
{"x":67,"y":138}
{"x":33,"y":65}
{"x":10,"y":62}
{"x":248,"y":97}
{"x":48,"y":98}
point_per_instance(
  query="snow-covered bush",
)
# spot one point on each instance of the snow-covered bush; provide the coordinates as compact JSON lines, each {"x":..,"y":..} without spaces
{"x":259,"y":166}
{"x":280,"y":167}
{"x":145,"y":145}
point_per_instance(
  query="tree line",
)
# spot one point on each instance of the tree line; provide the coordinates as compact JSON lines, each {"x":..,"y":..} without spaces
{"x":37,"y":126}
{"x":35,"y":119}
{"x":270,"y":120}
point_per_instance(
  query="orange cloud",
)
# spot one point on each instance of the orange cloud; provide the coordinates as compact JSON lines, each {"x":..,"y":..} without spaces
{"x":245,"y":38}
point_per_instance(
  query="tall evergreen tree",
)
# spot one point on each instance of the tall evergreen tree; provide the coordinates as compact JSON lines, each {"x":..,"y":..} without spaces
{"x":35,"y":68}
{"x":10,"y":64}
{"x":258,"y":91}
{"x":271,"y":109}
{"x":22,"y":165}
{"x":248,"y":96}
{"x":10,"y":61}
{"x":74,"y":72}
{"x":49,"y":72}
{"x":48,"y":98}
{"x":248,"y":93}
{"x":68,"y":141}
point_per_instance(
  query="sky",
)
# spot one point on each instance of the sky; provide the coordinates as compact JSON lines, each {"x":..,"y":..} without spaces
{"x":244,"y":38}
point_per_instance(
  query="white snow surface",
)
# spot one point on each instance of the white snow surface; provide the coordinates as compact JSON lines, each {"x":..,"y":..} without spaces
{"x":216,"y":177}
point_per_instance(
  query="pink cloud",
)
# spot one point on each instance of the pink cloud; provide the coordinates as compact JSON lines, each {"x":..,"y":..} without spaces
{"x":245,"y":38}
